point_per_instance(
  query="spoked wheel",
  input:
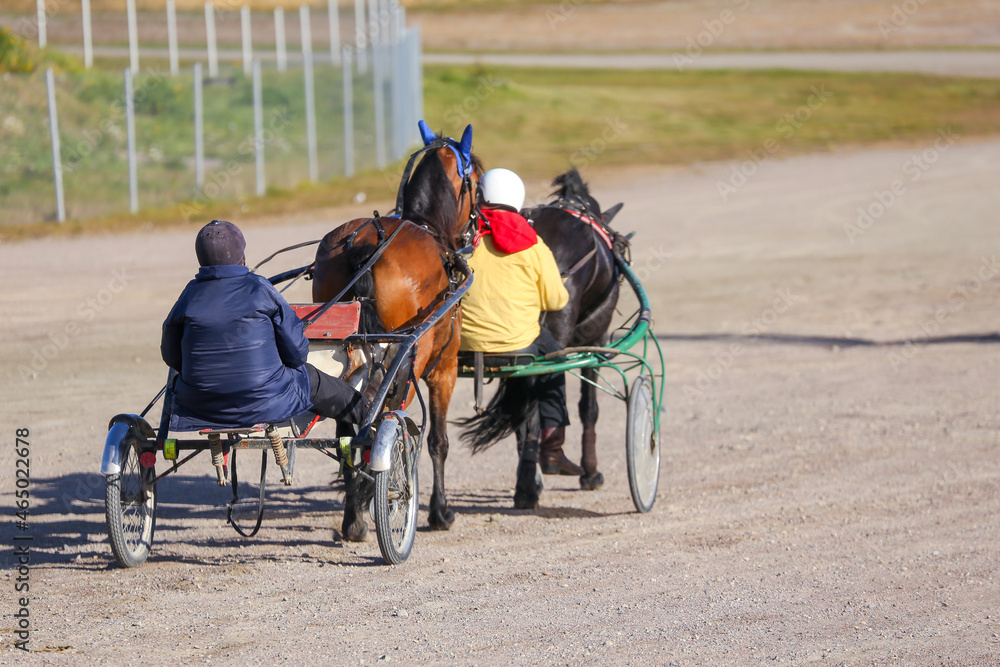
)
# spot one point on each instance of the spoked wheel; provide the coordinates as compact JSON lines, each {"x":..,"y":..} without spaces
{"x":246,"y":510}
{"x":130,"y":509}
{"x":395,"y":500}
{"x":642,"y":450}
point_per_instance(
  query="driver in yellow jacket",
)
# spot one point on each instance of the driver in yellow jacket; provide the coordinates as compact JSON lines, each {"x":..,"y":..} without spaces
{"x":516,"y":278}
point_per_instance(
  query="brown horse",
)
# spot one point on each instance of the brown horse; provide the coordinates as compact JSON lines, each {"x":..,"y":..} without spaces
{"x":438,"y":206}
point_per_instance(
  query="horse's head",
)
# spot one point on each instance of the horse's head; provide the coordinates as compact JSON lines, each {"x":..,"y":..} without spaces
{"x":443,"y":191}
{"x":572,"y":192}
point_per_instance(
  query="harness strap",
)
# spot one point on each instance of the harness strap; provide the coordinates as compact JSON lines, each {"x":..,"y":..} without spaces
{"x":364,"y":267}
{"x":579,"y":265}
{"x":275,"y":254}
{"x":595,"y":225}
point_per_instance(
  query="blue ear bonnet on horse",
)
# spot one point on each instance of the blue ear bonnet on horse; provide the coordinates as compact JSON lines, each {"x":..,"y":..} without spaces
{"x":462,"y":149}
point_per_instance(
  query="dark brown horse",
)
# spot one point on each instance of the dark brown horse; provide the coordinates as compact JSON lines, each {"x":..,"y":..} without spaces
{"x":437,"y":205}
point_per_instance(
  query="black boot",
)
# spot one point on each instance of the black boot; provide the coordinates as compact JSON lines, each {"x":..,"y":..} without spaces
{"x":551,"y":457}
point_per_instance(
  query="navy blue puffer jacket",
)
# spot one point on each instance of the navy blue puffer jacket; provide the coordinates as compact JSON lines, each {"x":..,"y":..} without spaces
{"x":240,"y":351}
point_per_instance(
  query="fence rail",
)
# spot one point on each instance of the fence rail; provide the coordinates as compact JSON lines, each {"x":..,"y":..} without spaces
{"x":189,"y":138}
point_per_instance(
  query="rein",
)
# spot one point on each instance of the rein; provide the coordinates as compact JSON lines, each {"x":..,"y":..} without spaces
{"x":379,"y":249}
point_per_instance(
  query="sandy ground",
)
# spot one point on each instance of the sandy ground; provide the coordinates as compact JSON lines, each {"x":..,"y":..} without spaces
{"x":829,"y":481}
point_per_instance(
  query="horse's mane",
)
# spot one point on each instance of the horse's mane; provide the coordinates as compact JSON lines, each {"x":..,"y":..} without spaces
{"x":428,"y":197}
{"x":571,"y":189}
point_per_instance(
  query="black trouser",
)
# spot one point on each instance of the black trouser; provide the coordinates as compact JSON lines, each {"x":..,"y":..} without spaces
{"x":333,"y":398}
{"x":549,"y":389}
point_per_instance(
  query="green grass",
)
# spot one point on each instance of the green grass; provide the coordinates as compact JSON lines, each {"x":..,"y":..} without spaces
{"x":537,"y":122}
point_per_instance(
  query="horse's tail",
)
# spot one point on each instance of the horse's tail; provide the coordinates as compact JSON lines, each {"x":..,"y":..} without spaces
{"x":509,"y":408}
{"x":364,"y":289}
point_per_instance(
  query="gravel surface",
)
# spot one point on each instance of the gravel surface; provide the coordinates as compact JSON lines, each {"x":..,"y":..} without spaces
{"x":829,"y":481}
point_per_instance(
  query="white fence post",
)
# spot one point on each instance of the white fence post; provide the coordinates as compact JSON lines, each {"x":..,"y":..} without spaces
{"x":348,"y":95}
{"x":42,"y":28}
{"x":172,"y":37}
{"x":133,"y":38}
{"x":416,"y":79}
{"x":333,"y":18}
{"x":307,"y":74}
{"x":246,"y":27}
{"x":213,"y":47}
{"x":133,"y":177}
{"x":360,"y":38}
{"x":199,"y":129}
{"x":373,"y":31}
{"x":399,"y":100}
{"x":279,"y":39}
{"x":88,"y":40}
{"x":56,"y":149}
{"x":258,"y":128}
{"x":378,"y":99}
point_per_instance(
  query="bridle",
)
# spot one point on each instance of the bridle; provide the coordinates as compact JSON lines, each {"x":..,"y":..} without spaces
{"x":465,"y":167}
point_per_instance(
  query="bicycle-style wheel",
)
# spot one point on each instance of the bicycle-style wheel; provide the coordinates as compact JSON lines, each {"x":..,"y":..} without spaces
{"x":130,"y":509}
{"x":642,"y":451}
{"x":395,"y":500}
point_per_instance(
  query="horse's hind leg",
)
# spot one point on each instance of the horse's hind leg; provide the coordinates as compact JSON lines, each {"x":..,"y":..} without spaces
{"x":591,"y":479}
{"x":529,"y":482}
{"x":358,"y":493}
{"x":440,"y":385}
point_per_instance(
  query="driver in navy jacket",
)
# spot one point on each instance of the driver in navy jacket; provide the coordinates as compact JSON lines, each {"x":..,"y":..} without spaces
{"x":240,"y":350}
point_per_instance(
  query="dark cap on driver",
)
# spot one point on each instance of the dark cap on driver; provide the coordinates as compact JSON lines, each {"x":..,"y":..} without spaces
{"x":220,"y":242}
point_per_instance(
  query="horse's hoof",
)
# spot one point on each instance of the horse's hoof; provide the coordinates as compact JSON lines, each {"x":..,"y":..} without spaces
{"x":524,"y":500}
{"x":355,"y":532}
{"x":591,"y":482}
{"x":441,"y":520}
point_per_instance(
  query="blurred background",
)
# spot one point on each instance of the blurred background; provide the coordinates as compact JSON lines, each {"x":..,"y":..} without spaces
{"x":596,"y":85}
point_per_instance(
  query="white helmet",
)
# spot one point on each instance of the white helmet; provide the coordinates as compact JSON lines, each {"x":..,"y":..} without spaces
{"x":503,"y":187}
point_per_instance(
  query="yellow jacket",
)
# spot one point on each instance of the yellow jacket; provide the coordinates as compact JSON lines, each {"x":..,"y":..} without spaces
{"x":500,"y":311}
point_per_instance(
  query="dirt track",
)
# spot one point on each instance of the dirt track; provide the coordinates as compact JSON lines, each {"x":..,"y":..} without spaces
{"x":828,"y":493}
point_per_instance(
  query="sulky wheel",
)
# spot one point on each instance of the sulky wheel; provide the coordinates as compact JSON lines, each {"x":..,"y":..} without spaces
{"x":642,"y":451}
{"x":130,"y":509}
{"x":395,"y":501}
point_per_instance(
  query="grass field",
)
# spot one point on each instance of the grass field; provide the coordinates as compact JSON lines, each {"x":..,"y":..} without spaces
{"x":538,"y":122}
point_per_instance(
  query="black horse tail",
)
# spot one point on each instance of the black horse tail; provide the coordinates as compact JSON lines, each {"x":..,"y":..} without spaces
{"x":364,"y":289}
{"x":507,"y":411}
